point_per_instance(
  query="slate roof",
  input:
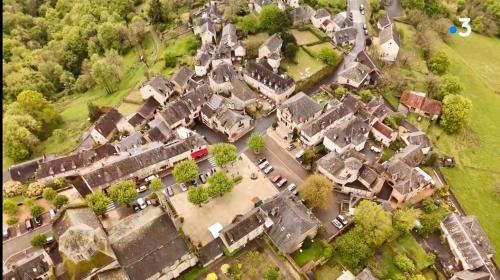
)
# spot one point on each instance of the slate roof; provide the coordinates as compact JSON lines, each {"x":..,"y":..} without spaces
{"x":222,"y":52}
{"x":149,"y":107}
{"x":384,"y":21}
{"x":291,"y":220}
{"x":368,"y":174}
{"x":223,"y":73}
{"x":160,"y":84}
{"x":147,"y":242}
{"x":411,"y":155}
{"x":199,"y":96}
{"x":175,"y":111}
{"x":74,"y":216}
{"x":301,"y":13}
{"x":389,"y":33}
{"x":243,"y":226}
{"x":161,"y":133}
{"x":326,"y":119}
{"x":106,"y":124}
{"x":345,"y":35}
{"x":266,"y":76}
{"x":321,"y":13}
{"x":406,"y":179}
{"x":263,"y":2}
{"x":241,"y":90}
{"x":273,"y":43}
{"x":351,"y":131}
{"x":136,"y":119}
{"x":74,"y":161}
{"x":228,"y":35}
{"x":301,"y":107}
{"x":28,"y":269}
{"x":211,"y":251}
{"x":182,"y":76}
{"x":417,"y":138}
{"x":343,"y":167}
{"x":365,"y":59}
{"x":122,"y":168}
{"x":228,"y":118}
{"x":202,"y":59}
{"x":111,"y":274}
{"x":357,"y":72}
{"x":366,"y":274}
{"x":24,"y":171}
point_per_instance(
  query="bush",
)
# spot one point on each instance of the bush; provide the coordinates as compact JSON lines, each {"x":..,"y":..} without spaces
{"x":60,"y":200}
{"x":438,"y":63}
{"x":170,"y":60}
{"x":404,"y":263}
{"x":36,"y":211}
{"x":9,"y":207}
{"x":49,"y":194}
{"x":12,"y":188}
{"x":28,"y":201}
{"x":38,"y":240}
{"x":12,"y":221}
{"x":35,"y":189}
{"x":328,"y":56}
{"x":58,"y":183}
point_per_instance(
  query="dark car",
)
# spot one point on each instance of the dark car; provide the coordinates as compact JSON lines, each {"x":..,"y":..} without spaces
{"x":261,"y":160}
{"x":213,"y":170}
{"x":136,"y":208}
{"x":38,"y":221}
{"x":194,"y":182}
{"x":29,"y":224}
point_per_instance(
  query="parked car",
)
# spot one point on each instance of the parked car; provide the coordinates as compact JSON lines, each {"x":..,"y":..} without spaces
{"x":142,"y":188}
{"x":290,"y":147}
{"x":208,"y":174}
{"x":292,"y":188}
{"x":342,"y":219}
{"x":365,"y":27}
{"x":203,"y":178}
{"x":361,"y":7}
{"x":194,"y":182}
{"x":136,"y":208}
{"x":362,"y":12}
{"x":213,"y":170}
{"x":299,"y":154}
{"x":38,"y":221}
{"x":52,"y":213}
{"x":261,"y":160}
{"x":183,"y":187}
{"x":169,"y":190}
{"x":268,"y":169}
{"x":366,"y":32}
{"x":264,"y":164}
{"x":49,"y":239}
{"x":142,"y":204}
{"x":151,"y":178}
{"x":337,"y":224}
{"x":282,"y":182}
{"x":276,"y":179}
{"x":6,"y":232}
{"x":29,"y":224}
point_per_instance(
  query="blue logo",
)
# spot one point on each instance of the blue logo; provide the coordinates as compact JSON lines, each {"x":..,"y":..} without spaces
{"x":452,"y":29}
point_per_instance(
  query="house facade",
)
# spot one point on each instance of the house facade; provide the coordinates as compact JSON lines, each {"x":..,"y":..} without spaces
{"x":159,"y":88}
{"x":267,"y":82}
{"x":297,"y":110}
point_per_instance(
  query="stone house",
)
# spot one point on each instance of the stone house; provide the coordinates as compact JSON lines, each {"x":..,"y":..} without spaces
{"x":202,"y":63}
{"x":383,"y":133}
{"x":389,"y":43}
{"x":221,"y":77}
{"x":412,"y":101}
{"x":159,"y":88}
{"x":319,"y":17}
{"x":243,"y":229}
{"x":32,"y":266}
{"x":301,"y":15}
{"x":222,"y":55}
{"x":108,"y":124}
{"x":297,"y":110}
{"x":177,"y":113}
{"x":350,"y":133}
{"x":181,"y":79}
{"x":278,"y":88}
{"x":271,"y":50}
{"x":241,"y":95}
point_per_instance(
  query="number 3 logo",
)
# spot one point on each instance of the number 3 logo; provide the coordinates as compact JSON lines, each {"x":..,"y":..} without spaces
{"x":465,"y":24}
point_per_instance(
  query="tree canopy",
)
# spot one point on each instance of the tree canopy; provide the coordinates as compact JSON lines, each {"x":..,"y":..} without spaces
{"x":223,"y":153}
{"x":317,"y":191}
{"x":248,"y":24}
{"x":256,"y":142}
{"x":98,"y":202}
{"x":373,"y":222}
{"x":197,"y":195}
{"x":352,"y":249}
{"x":219,"y":184}
{"x":36,"y":211}
{"x":60,"y":200}
{"x":185,"y":171}
{"x":328,"y":56}
{"x":49,"y":194}
{"x":455,"y":113}
{"x":123,"y":192}
{"x":404,"y":220}
{"x":38,"y":240}
{"x":273,"y":20}
{"x":438,"y":63}
{"x":156,"y":185}
{"x":449,"y":84}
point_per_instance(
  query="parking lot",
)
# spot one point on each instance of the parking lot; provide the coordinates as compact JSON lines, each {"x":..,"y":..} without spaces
{"x":327,"y":215}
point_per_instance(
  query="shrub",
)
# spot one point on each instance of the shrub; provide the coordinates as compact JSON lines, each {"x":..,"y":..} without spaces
{"x":58,"y":183}
{"x":237,"y":179}
{"x":328,"y":56}
{"x":12,"y":221}
{"x":12,"y":188}
{"x":38,"y":240}
{"x":9,"y":207}
{"x":49,"y":194}
{"x":404,"y":263}
{"x":35,"y":189}
{"x":60,"y":200}
{"x":36,"y":211}
{"x":170,"y":60}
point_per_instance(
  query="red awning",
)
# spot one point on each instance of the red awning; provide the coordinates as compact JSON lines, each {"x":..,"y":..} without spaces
{"x":200,"y":153}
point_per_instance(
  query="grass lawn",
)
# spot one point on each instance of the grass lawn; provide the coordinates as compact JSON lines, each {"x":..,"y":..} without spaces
{"x":193,"y":273}
{"x":304,"y":62}
{"x":311,"y":251}
{"x":475,"y":60}
{"x":317,"y":48}
{"x":382,"y":264}
{"x":127,"y":108}
{"x":304,"y":37}
{"x":321,"y":97}
{"x":330,"y":270}
{"x":423,"y":124}
{"x":391,"y":98}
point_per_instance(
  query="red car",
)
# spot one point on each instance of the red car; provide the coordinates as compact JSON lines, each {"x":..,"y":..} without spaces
{"x":276,"y":179}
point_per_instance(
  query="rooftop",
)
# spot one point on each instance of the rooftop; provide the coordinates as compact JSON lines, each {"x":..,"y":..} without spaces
{"x":242,"y":226}
{"x":106,"y":124}
{"x":350,"y":131}
{"x":182,"y":76}
{"x":301,"y":107}
{"x":266,"y":76}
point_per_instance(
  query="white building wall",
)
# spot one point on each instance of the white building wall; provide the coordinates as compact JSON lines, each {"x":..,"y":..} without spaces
{"x":389,"y":50}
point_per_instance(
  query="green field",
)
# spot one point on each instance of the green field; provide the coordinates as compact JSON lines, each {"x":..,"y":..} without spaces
{"x":304,"y":62}
{"x":475,"y":60}
{"x":317,"y":48}
{"x":304,"y":37}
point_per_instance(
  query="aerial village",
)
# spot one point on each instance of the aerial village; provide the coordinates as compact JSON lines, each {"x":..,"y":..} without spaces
{"x":258,"y":219}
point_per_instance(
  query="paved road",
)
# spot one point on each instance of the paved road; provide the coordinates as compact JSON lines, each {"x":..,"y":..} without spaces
{"x":21,"y":242}
{"x":393,"y":8}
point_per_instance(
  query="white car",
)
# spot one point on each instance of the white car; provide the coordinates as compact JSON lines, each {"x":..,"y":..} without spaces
{"x":299,"y":154}
{"x":142,"y":188}
{"x":342,"y":219}
{"x":52,"y":213}
{"x":268,"y":169}
{"x":263,"y":165}
{"x":375,"y":149}
{"x":337,"y":224}
{"x":292,"y":188}
{"x":281,"y":183}
{"x":183,"y":187}
{"x":142,"y":204}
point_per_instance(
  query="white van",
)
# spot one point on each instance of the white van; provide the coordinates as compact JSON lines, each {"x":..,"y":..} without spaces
{"x":299,"y":154}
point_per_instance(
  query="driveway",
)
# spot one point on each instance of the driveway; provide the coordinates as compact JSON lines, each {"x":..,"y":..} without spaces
{"x":328,"y":214}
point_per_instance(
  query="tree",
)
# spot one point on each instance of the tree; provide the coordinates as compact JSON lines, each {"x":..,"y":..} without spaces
{"x":340,"y":92}
{"x":271,"y":273}
{"x":185,"y":171}
{"x":432,"y":86}
{"x":478,"y":25}
{"x":197,"y":195}
{"x":36,"y":211}
{"x":328,"y":56}
{"x":366,"y":95}
{"x":256,"y":142}
{"x":449,"y":84}
{"x":38,"y":240}
{"x":12,"y":188}
{"x":223,"y":153}
{"x":107,"y":70}
{"x":352,"y":249}
{"x":94,"y":112}
{"x":291,"y":50}
{"x":155,"y":12}
{"x":60,"y":200}
{"x":170,"y":60}
{"x":417,"y":277}
{"x":98,"y":202}
{"x":137,"y":30}
{"x":455,"y":113}
{"x":429,"y":223}
{"x":273,"y":20}
{"x":404,"y":263}
{"x":317,"y":191}
{"x":9,"y":207}
{"x":404,"y":220}
{"x":219,"y":184}
{"x":49,"y":194}
{"x":248,"y":24}
{"x":309,"y":156}
{"x":156,"y":185}
{"x":438,"y":63}
{"x":34,"y":189}
{"x":12,"y":221}
{"x":123,"y":192}
{"x":373,"y":222}
{"x":211,"y":276}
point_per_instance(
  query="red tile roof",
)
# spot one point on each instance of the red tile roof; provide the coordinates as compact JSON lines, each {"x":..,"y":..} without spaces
{"x":431,"y":107}
{"x":411,"y":99}
{"x":382,"y":128}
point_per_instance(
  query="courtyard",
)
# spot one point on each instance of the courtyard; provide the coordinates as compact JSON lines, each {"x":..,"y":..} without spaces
{"x":222,"y":210}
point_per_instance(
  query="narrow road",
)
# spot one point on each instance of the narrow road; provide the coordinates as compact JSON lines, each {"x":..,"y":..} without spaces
{"x":21,"y":242}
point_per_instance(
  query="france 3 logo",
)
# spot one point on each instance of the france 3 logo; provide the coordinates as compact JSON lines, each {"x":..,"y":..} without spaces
{"x":465,"y":25}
